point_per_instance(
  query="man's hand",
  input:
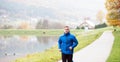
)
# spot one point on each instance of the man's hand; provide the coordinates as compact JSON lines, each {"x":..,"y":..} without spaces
{"x":70,"y":48}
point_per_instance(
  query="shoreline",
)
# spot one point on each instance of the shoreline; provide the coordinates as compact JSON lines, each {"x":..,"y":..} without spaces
{"x":10,"y":58}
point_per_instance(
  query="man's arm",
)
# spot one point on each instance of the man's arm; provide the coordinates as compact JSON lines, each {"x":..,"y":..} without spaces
{"x":75,"y":42}
{"x":59,"y":43}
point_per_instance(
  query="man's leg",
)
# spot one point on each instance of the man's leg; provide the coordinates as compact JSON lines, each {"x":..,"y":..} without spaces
{"x":64,"y":57}
{"x":70,"y":56}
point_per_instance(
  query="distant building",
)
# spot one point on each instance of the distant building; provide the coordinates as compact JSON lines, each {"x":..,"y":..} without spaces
{"x":87,"y":25}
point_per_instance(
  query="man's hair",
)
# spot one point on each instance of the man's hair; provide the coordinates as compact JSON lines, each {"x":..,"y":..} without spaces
{"x":66,"y":26}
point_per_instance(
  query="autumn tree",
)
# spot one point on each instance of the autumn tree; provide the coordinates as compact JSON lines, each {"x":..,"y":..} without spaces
{"x":113,"y":15}
{"x":24,"y":25}
{"x":100,"y":16}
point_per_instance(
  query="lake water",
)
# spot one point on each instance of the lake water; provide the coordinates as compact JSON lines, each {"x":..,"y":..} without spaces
{"x":12,"y":47}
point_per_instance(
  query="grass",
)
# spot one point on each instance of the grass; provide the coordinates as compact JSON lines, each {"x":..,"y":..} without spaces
{"x":115,"y":53}
{"x":53,"y":55}
{"x":38,"y":32}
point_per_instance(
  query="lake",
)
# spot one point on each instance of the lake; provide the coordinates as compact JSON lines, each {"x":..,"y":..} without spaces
{"x":12,"y":47}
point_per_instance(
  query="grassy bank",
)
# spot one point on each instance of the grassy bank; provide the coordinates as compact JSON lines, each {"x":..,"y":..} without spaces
{"x":37,"y":32}
{"x":115,"y":53}
{"x":53,"y":55}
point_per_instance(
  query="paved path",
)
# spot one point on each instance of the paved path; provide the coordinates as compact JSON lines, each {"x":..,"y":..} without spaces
{"x":98,"y":51}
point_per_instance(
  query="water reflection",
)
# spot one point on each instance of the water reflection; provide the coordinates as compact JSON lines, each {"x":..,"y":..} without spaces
{"x":46,"y":39}
{"x":22,"y":45}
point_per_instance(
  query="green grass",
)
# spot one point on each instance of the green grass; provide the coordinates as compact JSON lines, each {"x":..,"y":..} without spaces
{"x":53,"y":55}
{"x":37,"y":32}
{"x":115,"y":53}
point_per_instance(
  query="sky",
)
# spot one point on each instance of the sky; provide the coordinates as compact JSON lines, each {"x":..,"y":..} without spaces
{"x":76,"y":8}
{"x":67,"y":6}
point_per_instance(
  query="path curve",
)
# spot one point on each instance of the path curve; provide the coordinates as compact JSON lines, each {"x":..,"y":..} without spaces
{"x":98,"y":51}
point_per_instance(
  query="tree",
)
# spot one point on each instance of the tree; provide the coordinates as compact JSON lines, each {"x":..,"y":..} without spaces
{"x":113,"y":15}
{"x":6,"y":27}
{"x":24,"y":25}
{"x":45,"y":24}
{"x":100,"y":16}
{"x":100,"y":25}
{"x":77,"y":27}
{"x":56,"y":25}
{"x":42,"y":24}
{"x":39,"y":24}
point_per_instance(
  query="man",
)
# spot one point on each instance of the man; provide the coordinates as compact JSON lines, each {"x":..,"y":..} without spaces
{"x":66,"y":43}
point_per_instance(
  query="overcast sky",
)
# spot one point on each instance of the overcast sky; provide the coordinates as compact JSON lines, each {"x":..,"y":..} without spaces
{"x":74,"y":8}
{"x":66,"y":5}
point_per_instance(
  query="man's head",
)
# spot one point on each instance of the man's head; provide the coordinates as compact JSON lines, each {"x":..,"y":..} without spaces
{"x":66,"y":29}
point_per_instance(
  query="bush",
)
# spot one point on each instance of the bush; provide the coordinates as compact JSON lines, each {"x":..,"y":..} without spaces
{"x":101,"y":26}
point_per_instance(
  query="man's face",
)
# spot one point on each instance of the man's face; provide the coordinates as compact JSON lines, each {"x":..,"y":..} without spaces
{"x":66,"y":30}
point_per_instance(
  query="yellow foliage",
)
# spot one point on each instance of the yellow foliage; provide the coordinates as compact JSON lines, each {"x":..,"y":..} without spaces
{"x":113,"y":15}
{"x":114,"y":22}
{"x":100,"y":16}
{"x":112,"y":4}
{"x":24,"y":25}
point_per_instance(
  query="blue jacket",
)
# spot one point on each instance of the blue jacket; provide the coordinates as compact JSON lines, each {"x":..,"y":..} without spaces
{"x":65,"y":41}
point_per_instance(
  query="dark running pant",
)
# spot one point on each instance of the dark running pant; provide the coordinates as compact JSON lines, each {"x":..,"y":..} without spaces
{"x":67,"y":57}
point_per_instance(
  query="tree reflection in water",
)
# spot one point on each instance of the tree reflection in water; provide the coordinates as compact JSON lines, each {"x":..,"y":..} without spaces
{"x":22,"y":45}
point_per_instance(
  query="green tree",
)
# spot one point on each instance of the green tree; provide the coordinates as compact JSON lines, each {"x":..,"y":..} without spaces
{"x":77,"y":27}
{"x":100,"y":25}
